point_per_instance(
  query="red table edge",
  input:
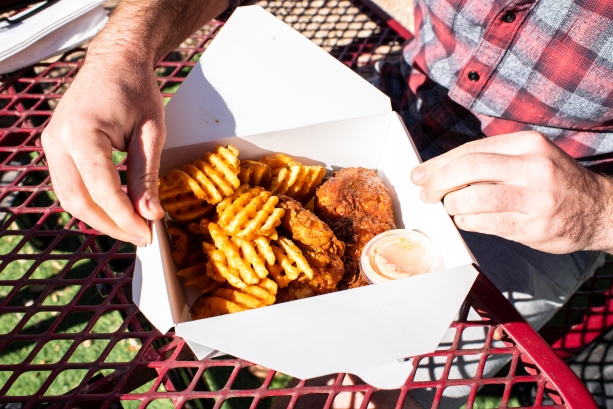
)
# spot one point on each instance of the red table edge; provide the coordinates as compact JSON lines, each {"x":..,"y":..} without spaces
{"x":566,"y":382}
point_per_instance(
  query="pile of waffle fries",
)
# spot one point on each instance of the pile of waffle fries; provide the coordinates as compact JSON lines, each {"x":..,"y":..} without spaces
{"x":224,"y":227}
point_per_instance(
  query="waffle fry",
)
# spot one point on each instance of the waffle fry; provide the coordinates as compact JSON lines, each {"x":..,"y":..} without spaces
{"x":235,"y":261}
{"x":185,"y":207}
{"x":243,"y":263}
{"x":202,"y":227}
{"x":252,"y":214}
{"x":230,"y":199}
{"x":251,"y":255}
{"x":290,"y":263}
{"x":229,"y":300}
{"x":263,"y":245}
{"x":210,"y":179}
{"x":298,"y":181}
{"x":276,"y":162}
{"x":254,"y":173}
{"x":176,"y":183}
{"x":207,"y":307}
{"x":198,"y":276}
{"x":222,"y":269}
{"x":180,"y":244}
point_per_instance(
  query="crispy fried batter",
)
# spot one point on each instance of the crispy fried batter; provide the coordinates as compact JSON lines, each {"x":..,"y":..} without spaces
{"x":320,"y":247}
{"x":357,"y":206}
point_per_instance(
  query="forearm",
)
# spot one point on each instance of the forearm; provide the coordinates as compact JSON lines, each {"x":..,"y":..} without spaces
{"x":142,"y":31}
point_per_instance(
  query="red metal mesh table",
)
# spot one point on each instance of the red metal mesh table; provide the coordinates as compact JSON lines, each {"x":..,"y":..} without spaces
{"x":71,"y":337}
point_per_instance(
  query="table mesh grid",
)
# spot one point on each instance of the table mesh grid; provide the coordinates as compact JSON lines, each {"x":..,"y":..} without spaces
{"x":64,"y":287}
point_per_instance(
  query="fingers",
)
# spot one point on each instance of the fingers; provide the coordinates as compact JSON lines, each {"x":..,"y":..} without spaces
{"x":511,"y":144}
{"x":467,"y":169}
{"x":484,"y":198}
{"x":510,"y":225}
{"x":75,"y":198}
{"x":143,"y":168}
{"x":92,"y":157}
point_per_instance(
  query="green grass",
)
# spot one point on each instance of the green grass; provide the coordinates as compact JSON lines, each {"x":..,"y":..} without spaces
{"x":89,"y":351}
{"x":50,"y":353}
{"x":490,"y":397}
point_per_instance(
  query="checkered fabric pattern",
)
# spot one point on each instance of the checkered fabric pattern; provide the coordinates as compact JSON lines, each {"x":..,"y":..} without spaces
{"x":480,"y":68}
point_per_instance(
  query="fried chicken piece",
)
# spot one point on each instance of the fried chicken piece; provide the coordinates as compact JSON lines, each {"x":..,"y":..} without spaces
{"x":357,"y":206}
{"x":320,"y":247}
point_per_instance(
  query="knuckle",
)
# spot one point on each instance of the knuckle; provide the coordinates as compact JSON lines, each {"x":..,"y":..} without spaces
{"x":535,"y":140}
{"x":73,"y":205}
{"x":545,"y":167}
{"x":474,"y":146}
{"x":471,"y":162}
{"x":145,"y":183}
{"x":441,"y":174}
{"x":62,"y":133}
{"x":495,"y":198}
{"x":102,"y":198}
{"x":548,"y":202}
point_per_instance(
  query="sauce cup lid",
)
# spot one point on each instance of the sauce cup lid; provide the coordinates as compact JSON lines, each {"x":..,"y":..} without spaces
{"x":400,"y":253}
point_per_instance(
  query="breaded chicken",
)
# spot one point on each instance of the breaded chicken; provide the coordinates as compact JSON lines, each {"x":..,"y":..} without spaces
{"x":357,"y":206}
{"x":322,"y":250}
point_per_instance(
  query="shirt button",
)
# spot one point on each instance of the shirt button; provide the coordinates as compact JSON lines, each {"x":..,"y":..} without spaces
{"x":473,"y":76}
{"x":508,"y":17}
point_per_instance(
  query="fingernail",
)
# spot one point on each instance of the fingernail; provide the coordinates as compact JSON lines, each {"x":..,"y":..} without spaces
{"x":154,"y":206}
{"x":140,"y":241}
{"x":417,"y":176}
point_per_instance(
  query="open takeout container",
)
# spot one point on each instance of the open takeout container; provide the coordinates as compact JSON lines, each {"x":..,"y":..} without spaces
{"x":265,"y":88}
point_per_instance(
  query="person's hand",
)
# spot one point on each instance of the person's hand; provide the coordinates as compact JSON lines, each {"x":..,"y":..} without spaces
{"x":524,"y":188}
{"x":112,"y":103}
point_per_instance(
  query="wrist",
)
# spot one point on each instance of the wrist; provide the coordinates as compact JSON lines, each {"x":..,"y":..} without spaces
{"x":110,"y":48}
{"x":603,"y":237}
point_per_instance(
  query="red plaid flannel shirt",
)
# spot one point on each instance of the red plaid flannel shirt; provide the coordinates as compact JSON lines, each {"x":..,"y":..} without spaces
{"x":480,"y":68}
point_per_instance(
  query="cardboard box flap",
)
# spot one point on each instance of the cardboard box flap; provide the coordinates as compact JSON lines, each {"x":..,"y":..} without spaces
{"x":155,"y":289}
{"x":271,"y":78}
{"x":360,"y":331}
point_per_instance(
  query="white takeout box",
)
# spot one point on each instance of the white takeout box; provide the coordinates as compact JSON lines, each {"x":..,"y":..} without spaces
{"x":265,"y":88}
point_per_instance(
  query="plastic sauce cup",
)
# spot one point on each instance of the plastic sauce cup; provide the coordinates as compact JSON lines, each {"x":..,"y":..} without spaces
{"x":397,"y":254}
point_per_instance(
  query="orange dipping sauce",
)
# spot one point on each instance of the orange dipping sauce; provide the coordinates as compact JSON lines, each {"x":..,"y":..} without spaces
{"x":398,"y":254}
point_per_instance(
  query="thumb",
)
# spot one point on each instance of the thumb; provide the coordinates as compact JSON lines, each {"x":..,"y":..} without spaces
{"x":143,"y":166}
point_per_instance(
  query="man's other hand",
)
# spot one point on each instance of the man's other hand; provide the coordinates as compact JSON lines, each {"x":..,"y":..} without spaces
{"x":524,"y":188}
{"x":112,"y":103}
